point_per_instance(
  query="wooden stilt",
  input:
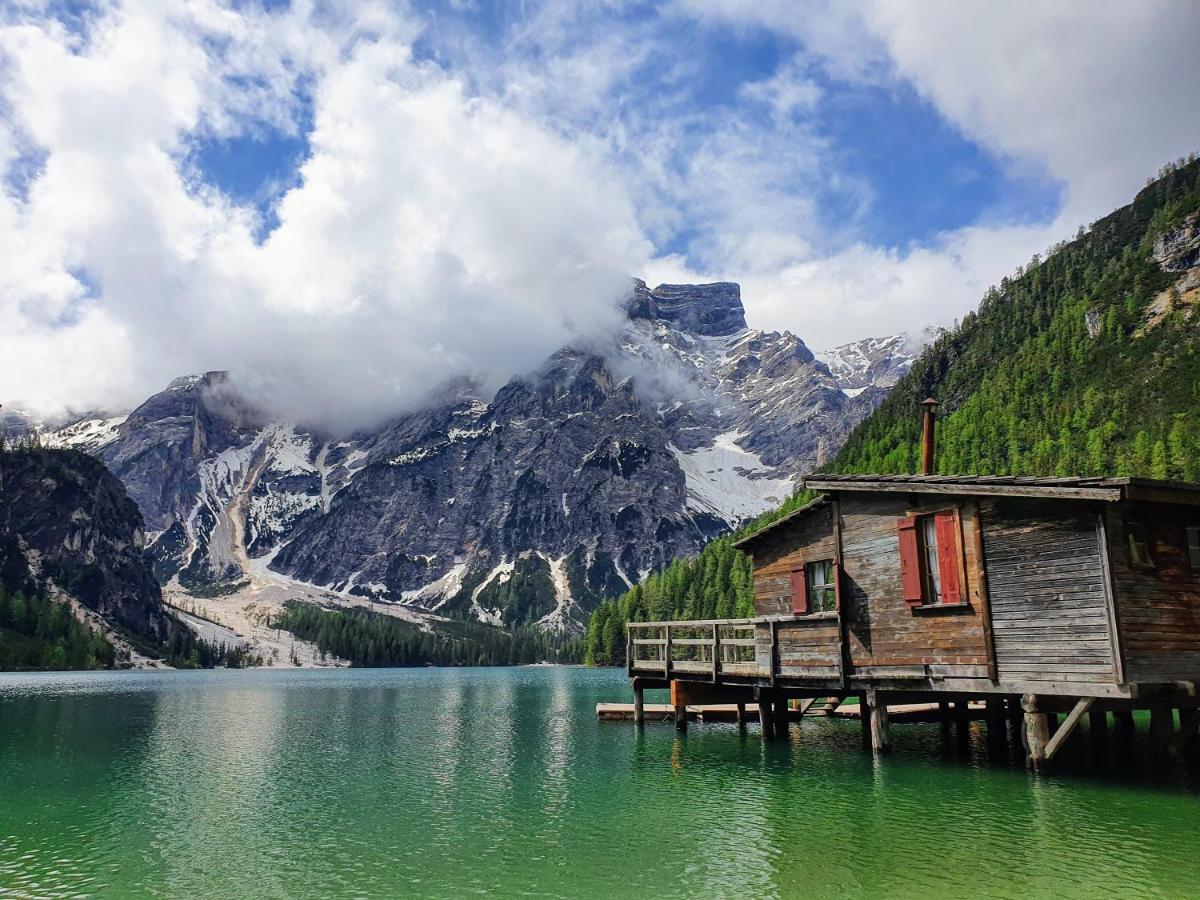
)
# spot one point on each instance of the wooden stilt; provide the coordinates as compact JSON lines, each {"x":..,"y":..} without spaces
{"x":996,"y":731}
{"x":1162,"y":726}
{"x":765,"y":720}
{"x":962,"y":720}
{"x":1037,"y":733}
{"x":864,"y":718}
{"x":1016,"y":717}
{"x":1123,"y":720}
{"x":639,"y":714}
{"x":741,"y":716}
{"x":681,"y":717}
{"x":781,"y":717}
{"x":1098,"y":726}
{"x":880,"y":737}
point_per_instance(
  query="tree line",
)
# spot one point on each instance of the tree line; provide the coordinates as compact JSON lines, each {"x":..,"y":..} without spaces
{"x":372,"y":639}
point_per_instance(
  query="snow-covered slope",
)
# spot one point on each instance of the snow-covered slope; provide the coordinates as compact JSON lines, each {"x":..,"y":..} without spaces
{"x":876,"y":362}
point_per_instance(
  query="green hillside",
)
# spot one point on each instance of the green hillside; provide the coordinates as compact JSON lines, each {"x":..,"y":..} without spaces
{"x":1085,"y":362}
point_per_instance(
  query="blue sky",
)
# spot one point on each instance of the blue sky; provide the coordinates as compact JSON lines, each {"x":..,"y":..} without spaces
{"x":416,"y":191}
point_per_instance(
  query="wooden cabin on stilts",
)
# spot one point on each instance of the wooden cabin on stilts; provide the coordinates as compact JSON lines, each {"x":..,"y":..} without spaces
{"x":1038,"y":597}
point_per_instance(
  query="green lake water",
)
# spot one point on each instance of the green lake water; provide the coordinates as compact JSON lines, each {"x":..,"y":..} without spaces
{"x":461,"y":782}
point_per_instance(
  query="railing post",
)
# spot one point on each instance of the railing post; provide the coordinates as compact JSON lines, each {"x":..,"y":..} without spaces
{"x":716,"y":652}
{"x":629,"y":645}
{"x":667,"y":651}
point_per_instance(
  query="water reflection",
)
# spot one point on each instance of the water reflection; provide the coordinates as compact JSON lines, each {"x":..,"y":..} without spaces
{"x":446,"y":783}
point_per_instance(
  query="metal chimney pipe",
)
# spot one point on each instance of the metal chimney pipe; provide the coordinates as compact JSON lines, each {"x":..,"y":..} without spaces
{"x":927,"y":435}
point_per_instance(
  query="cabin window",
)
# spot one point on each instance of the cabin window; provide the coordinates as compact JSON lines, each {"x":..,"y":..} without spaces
{"x":814,"y":588}
{"x":930,"y":558}
{"x":1139,"y":544}
{"x":1193,"y":545}
{"x":932,"y":569}
{"x":822,"y":586}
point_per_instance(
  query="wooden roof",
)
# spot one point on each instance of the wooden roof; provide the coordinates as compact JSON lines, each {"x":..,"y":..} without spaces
{"x":1109,"y":490}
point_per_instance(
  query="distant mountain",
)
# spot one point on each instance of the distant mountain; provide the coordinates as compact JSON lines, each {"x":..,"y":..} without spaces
{"x":876,"y":362}
{"x":522,"y":508}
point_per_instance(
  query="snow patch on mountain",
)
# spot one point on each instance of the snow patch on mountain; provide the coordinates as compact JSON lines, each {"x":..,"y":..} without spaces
{"x":730,"y":482}
{"x":88,"y":435}
{"x":878,"y":361}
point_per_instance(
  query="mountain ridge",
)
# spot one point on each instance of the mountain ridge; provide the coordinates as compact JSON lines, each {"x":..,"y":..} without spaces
{"x":526,"y":508}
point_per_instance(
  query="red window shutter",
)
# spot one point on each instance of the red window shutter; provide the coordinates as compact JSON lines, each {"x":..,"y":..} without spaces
{"x":949,"y":555}
{"x":799,"y":592}
{"x":910,"y":561}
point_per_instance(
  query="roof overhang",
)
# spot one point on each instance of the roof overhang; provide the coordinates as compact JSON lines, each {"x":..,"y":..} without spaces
{"x":898,"y":486}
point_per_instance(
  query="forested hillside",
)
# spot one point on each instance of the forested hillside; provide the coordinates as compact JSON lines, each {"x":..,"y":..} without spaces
{"x":1085,"y":362}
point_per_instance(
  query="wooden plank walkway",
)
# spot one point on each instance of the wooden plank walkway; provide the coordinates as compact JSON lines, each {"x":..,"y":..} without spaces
{"x":727,"y":712}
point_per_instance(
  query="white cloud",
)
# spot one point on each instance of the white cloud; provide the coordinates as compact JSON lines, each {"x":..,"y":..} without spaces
{"x":472,"y":216}
{"x":431,"y":233}
{"x":1096,"y":97}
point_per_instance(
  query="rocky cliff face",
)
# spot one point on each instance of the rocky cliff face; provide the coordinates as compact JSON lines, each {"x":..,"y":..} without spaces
{"x":525,"y":507}
{"x":65,"y":519}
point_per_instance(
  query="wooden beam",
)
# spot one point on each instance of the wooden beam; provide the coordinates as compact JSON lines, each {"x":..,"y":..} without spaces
{"x":1060,"y":736}
{"x":985,"y":604}
{"x":1110,"y":600}
{"x":639,"y":713}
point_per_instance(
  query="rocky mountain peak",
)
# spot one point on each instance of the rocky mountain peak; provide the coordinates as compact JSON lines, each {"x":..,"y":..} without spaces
{"x":707,"y":310}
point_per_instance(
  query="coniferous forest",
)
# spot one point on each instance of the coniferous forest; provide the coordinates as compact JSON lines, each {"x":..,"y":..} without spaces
{"x":1085,"y":362}
{"x":372,"y":639}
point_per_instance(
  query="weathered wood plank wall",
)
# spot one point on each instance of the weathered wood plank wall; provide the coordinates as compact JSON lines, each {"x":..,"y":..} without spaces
{"x":1046,"y":587}
{"x":884,"y":631}
{"x":1158,"y":609}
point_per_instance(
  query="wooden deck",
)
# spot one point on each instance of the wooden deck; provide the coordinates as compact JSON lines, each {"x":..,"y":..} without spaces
{"x":727,"y":712}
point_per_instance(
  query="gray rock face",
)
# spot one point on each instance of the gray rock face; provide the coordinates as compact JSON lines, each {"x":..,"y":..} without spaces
{"x":1179,"y":249}
{"x":525,"y":508}
{"x":68,"y":521}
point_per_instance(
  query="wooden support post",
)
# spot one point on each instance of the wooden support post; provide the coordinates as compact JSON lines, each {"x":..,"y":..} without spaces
{"x":864,"y":718}
{"x":997,"y":736}
{"x":1098,"y":726}
{"x":763,"y":698}
{"x":1037,"y":733}
{"x":681,"y":717}
{"x":1189,"y":722}
{"x":880,"y":736}
{"x":741,"y":716}
{"x":1123,"y":719}
{"x":781,"y":717}
{"x":1162,"y":725}
{"x":679,"y":702}
{"x":639,"y":715}
{"x":962,"y":720}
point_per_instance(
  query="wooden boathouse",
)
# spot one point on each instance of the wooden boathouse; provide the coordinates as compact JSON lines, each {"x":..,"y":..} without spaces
{"x":1038,"y":596}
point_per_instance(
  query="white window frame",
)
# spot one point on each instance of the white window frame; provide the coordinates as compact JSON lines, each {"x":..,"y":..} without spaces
{"x":822,"y":595}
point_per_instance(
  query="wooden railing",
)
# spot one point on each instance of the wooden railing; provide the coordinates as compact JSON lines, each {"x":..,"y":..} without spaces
{"x":713,"y":647}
